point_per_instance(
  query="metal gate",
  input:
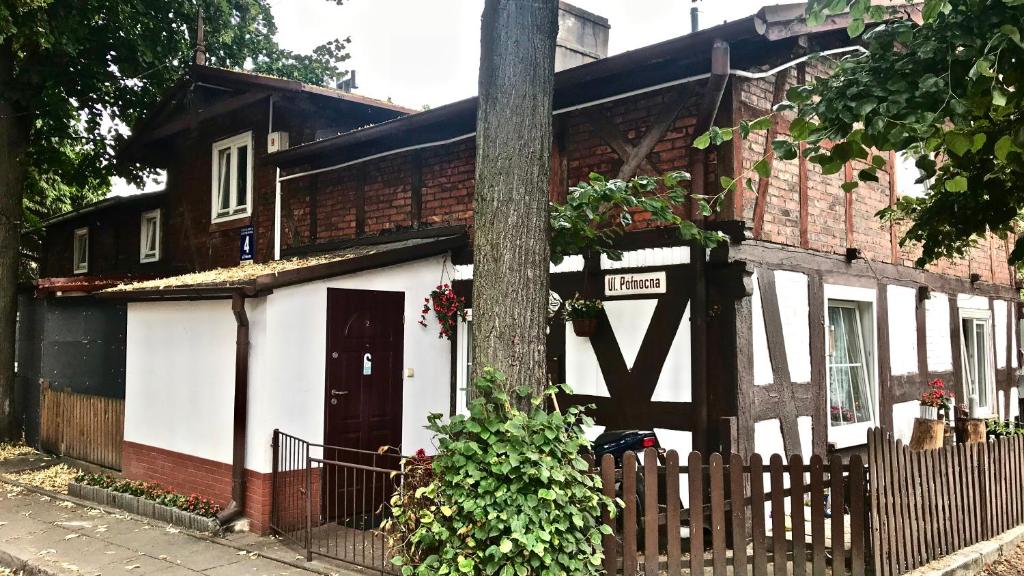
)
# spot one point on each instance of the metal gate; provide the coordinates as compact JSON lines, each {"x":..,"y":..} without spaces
{"x":331,"y":500}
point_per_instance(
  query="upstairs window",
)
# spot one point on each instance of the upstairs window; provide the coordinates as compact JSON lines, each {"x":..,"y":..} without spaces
{"x":81,"y":251}
{"x":149,"y":237}
{"x":232,"y":178}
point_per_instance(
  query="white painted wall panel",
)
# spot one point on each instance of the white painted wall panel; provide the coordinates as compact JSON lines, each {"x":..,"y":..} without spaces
{"x":646,"y":257}
{"x":999,"y":327}
{"x":629,"y":320}
{"x":805,"y":426}
{"x":582,"y":372}
{"x":179,"y":377}
{"x":940,"y":356}
{"x":973,"y":302}
{"x":1013,"y":336}
{"x":902,"y":329}
{"x":791,"y":289}
{"x":903,"y":415}
{"x":768,"y":438}
{"x":295,"y":374}
{"x":762,"y":362}
{"x":676,"y":379}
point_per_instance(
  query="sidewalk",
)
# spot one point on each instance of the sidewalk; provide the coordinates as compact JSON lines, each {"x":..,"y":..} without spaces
{"x":50,"y":535}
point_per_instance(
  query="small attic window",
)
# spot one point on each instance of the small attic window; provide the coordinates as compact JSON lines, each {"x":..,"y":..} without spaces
{"x":149,"y":236}
{"x":232,"y":178}
{"x":81,"y":250}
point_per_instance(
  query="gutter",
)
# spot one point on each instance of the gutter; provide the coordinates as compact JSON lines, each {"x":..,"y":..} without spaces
{"x":236,"y":508}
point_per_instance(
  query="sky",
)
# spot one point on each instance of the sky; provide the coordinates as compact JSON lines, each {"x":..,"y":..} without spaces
{"x":421,"y":53}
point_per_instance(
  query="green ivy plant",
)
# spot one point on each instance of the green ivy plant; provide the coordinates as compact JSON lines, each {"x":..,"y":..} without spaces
{"x":949,"y":92}
{"x":509,"y":493}
{"x":598,"y":211}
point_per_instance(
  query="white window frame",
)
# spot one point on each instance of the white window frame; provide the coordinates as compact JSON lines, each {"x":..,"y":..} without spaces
{"x":464,"y":363}
{"x":145,"y":256}
{"x":986,"y":406}
{"x":81,"y":235}
{"x":865,"y":300}
{"x":235,"y":142}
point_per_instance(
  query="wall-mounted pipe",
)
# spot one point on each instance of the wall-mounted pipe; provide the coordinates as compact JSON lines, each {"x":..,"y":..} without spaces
{"x":236,"y":508}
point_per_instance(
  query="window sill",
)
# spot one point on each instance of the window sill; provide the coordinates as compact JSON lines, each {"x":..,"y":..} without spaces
{"x":849,"y":435}
{"x":230,"y":223}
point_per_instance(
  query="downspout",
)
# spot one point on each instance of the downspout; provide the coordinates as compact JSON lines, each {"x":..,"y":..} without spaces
{"x":236,"y":507}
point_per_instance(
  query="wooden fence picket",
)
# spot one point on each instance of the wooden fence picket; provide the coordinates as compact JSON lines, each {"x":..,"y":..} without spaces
{"x":82,"y":426}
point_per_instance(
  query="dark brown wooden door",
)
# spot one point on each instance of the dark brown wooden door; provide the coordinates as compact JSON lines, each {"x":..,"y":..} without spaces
{"x":363,"y":396}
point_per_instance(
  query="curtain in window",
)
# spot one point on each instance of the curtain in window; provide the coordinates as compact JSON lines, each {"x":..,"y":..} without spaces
{"x":848,"y":381}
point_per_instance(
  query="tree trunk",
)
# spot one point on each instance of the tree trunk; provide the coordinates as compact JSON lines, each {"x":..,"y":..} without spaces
{"x":13,"y":144}
{"x":513,"y":168}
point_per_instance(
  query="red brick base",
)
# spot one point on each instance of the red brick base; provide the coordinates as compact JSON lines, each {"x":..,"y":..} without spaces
{"x":187,"y":474}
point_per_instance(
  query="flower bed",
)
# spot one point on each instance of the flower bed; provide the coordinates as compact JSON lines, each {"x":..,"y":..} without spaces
{"x":148,"y":499}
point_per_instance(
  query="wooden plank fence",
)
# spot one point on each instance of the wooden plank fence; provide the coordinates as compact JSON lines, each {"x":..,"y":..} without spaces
{"x":739,"y":517}
{"x":81,"y":426}
{"x":932,"y":503}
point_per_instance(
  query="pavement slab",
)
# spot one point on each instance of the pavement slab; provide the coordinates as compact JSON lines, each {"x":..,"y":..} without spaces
{"x":49,"y":535}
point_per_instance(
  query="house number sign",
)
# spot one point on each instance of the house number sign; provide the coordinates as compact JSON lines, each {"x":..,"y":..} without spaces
{"x":629,"y":284}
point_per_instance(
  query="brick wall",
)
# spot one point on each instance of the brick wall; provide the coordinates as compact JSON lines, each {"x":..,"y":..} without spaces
{"x":827,"y":203}
{"x":188,"y":475}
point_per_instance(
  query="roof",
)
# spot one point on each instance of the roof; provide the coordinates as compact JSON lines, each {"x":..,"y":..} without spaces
{"x":80,"y":284}
{"x":614,"y":75}
{"x":285,"y":85}
{"x":108,"y":202}
{"x":263,"y":278}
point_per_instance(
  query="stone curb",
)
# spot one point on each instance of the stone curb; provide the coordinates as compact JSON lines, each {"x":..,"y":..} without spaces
{"x":24,"y":567}
{"x":32,"y":569}
{"x":974,"y":559}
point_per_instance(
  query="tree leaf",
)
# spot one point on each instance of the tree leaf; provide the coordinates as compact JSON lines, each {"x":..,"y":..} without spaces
{"x":702,"y":141}
{"x":1003,"y":147}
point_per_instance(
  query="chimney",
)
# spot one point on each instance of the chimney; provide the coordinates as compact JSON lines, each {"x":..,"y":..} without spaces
{"x":349,"y":83}
{"x":582,"y":37}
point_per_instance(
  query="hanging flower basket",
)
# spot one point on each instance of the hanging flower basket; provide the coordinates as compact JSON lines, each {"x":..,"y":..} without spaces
{"x":584,"y":327}
{"x":448,"y":308}
{"x":583,"y":314}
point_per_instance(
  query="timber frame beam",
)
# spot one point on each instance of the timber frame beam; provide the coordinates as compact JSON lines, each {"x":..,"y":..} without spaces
{"x":713,"y":91}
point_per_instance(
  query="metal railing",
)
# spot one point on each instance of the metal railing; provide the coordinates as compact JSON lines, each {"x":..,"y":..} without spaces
{"x":332,"y":500}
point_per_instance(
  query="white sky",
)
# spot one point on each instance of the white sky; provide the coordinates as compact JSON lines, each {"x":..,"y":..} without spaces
{"x":427,"y":52}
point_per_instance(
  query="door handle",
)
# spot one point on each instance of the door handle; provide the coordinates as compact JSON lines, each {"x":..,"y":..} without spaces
{"x":339,"y":393}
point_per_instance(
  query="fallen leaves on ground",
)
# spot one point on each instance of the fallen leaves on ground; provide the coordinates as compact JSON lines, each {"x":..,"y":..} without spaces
{"x":1010,"y":565}
{"x":9,"y":451}
{"x":55,"y":478}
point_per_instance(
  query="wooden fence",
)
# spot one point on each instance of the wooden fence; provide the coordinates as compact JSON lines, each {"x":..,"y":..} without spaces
{"x":81,"y":426}
{"x":756,"y":518}
{"x":932,"y":503}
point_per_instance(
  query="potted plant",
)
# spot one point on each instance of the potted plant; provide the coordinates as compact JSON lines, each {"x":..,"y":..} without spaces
{"x":934,"y":399}
{"x":583,"y":314}
{"x":447,"y":306}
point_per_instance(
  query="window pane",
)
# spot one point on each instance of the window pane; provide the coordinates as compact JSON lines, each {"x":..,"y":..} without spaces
{"x":848,"y":378}
{"x":151,"y":236}
{"x":981,"y":353}
{"x":81,"y":251}
{"x":224,"y":180}
{"x":242,"y":191}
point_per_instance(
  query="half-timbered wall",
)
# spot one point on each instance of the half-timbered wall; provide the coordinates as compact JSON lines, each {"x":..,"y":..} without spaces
{"x":913,"y":332}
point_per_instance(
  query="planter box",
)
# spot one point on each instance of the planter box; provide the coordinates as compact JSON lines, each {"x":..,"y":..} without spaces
{"x":146,"y":508}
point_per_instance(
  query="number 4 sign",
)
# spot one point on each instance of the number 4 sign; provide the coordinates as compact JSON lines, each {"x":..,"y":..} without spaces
{"x":246,"y":245}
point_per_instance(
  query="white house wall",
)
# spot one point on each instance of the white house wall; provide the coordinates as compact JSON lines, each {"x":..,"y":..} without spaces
{"x":940,"y":353}
{"x":179,"y":377}
{"x":999,"y":327}
{"x":791,"y":288}
{"x":291,"y":389}
{"x":902,"y":329}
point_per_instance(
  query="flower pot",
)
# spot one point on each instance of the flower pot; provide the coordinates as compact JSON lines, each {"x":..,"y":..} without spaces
{"x":584,"y":327}
{"x":929,"y":412}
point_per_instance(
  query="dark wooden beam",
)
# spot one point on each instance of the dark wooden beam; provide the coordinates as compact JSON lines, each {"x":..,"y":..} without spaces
{"x":359,"y":195}
{"x":835,"y":266}
{"x":921,"y":322}
{"x":894,"y":243}
{"x":819,"y":376}
{"x":730,"y":158}
{"x":663,"y":120}
{"x":559,"y":161}
{"x":763,"y":184}
{"x":416,"y":189}
{"x":195,"y":117}
{"x":314,"y":209}
{"x":954,"y":344}
{"x":884,"y":362}
{"x":787,"y":412}
{"x":609,"y":132}
{"x":805,"y":238}
{"x":713,"y":91}
{"x":848,"y":205}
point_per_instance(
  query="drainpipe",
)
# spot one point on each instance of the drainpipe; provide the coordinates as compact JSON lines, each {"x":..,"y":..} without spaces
{"x":236,"y":507}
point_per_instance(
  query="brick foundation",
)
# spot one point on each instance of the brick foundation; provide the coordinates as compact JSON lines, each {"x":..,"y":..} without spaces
{"x":188,"y":474}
